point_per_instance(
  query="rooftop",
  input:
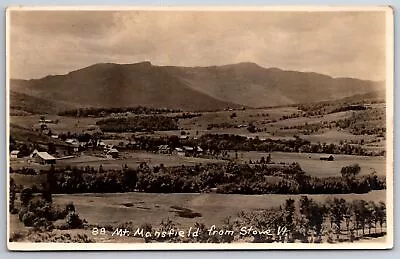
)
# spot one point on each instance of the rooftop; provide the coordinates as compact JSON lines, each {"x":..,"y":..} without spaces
{"x":45,"y":156}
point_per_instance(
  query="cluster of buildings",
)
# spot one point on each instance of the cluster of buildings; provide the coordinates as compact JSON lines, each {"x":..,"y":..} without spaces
{"x":180,"y":151}
{"x":36,"y":156}
{"x":42,"y":157}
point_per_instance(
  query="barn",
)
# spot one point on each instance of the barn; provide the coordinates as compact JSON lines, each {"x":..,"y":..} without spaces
{"x":43,"y":158}
{"x":15,"y":154}
{"x":330,"y":158}
{"x":113,"y":152}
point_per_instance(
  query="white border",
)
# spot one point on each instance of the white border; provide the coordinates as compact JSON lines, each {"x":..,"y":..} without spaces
{"x":20,"y":246}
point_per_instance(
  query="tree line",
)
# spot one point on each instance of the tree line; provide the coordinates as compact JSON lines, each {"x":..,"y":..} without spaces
{"x":334,"y":220}
{"x":37,"y":210}
{"x":138,"y":124}
{"x":102,"y":112}
{"x":236,"y":142}
{"x":214,"y":144}
{"x":222,"y":178}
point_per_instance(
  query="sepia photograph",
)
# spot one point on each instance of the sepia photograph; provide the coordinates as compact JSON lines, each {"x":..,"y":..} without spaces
{"x":199,"y":128}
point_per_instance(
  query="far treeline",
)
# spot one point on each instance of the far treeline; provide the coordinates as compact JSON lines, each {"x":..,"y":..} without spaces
{"x":223,"y":178}
{"x":102,"y":112}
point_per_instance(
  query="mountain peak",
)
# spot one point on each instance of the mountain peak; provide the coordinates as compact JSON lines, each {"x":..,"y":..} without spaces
{"x":242,"y":65}
{"x":191,"y":88}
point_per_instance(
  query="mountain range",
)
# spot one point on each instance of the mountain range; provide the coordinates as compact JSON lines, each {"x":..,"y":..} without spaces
{"x":186,"y":88}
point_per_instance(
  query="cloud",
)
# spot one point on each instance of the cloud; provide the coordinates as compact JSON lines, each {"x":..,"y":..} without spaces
{"x":350,"y":44}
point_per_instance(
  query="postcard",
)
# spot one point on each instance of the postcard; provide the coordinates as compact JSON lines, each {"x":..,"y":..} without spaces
{"x":173,"y":128}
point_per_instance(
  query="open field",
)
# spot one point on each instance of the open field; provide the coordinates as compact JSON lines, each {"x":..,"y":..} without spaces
{"x":312,"y":164}
{"x":140,"y":208}
{"x":336,"y":137}
{"x":269,"y":121}
{"x":133,"y":159}
{"x":242,"y":116}
{"x":28,"y":180}
{"x":309,"y":162}
{"x":63,"y":125}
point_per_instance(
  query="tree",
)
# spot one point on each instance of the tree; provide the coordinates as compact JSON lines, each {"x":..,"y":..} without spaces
{"x":380,"y":214}
{"x":305,"y":213}
{"x":350,"y":171}
{"x":70,"y":207}
{"x":129,"y":179}
{"x":337,"y":208}
{"x":268,"y":159}
{"x":370,"y":215}
{"x":251,"y":128}
{"x":73,"y":220}
{"x":289,"y":214}
{"x":26,"y":196}
{"x":317,"y":214}
{"x":13,"y":187}
{"x":360,"y":214}
{"x":347,"y":215}
{"x":51,"y":148}
{"x":262,"y":160}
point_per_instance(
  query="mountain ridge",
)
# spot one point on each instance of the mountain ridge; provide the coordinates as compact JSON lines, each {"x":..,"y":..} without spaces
{"x":244,"y":84}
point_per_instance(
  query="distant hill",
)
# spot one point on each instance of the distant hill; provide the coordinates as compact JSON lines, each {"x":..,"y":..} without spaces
{"x":187,"y":88}
{"x":113,"y":85}
{"x":252,"y":85}
{"x":24,"y":104}
{"x":377,"y":95}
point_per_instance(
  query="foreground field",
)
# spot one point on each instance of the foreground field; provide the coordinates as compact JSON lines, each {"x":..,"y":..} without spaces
{"x":141,"y":208}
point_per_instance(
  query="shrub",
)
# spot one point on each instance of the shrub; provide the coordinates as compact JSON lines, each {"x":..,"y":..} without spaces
{"x":28,"y":219}
{"x":73,"y":221}
{"x":15,"y":237}
{"x":26,"y":196}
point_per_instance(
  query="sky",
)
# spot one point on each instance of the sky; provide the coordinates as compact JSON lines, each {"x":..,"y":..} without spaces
{"x":339,"y":44}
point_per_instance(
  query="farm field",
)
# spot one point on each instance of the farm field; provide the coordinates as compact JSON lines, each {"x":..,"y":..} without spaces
{"x":312,"y":164}
{"x":63,"y":125}
{"x":141,"y":208}
{"x":133,"y":159}
{"x":337,"y":136}
{"x":242,"y":116}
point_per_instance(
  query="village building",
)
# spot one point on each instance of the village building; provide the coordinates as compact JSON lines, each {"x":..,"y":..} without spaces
{"x":188,"y":149}
{"x":330,"y":158}
{"x":113,"y":153}
{"x":178,"y":151}
{"x":43,"y":158}
{"x":91,"y":127}
{"x":15,"y":154}
{"x":43,"y":127}
{"x":163,"y":149}
{"x":74,"y":143}
{"x":101,"y":144}
{"x":193,"y":150}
